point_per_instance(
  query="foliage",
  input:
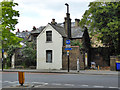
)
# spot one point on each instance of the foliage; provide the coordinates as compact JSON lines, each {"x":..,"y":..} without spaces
{"x":103,"y":19}
{"x":76,"y":43}
{"x":29,"y":54}
{"x":12,"y":49}
{"x":8,"y":22}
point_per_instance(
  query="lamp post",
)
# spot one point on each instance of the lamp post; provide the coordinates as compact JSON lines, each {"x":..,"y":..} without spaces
{"x":68,"y":34}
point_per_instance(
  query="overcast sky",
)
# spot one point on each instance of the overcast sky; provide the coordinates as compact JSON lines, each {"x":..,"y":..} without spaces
{"x":41,"y":12}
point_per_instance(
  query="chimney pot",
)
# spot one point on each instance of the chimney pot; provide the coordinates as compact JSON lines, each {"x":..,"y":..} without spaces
{"x":53,"y":21}
{"x":77,"y":22}
{"x":18,"y":30}
{"x":34,"y":28}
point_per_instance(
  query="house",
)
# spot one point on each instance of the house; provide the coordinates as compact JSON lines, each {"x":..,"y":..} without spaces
{"x":49,"y":46}
{"x":51,"y":43}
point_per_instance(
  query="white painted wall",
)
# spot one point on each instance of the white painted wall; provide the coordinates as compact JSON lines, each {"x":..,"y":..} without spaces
{"x":55,"y":46}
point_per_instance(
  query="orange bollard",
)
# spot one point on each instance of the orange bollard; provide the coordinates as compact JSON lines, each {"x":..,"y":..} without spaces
{"x":98,"y":67}
{"x":21,"y":78}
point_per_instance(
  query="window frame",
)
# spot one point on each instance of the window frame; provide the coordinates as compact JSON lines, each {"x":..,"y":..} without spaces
{"x":49,"y":52}
{"x":48,"y":36}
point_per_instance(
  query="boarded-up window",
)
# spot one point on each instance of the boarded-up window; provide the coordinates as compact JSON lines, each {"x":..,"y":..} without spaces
{"x":48,"y":36}
{"x":49,"y":56}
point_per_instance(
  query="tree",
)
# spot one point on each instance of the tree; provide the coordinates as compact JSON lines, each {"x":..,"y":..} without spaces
{"x":103,"y":19}
{"x":8,"y":22}
{"x":76,"y":43}
{"x":29,"y":54}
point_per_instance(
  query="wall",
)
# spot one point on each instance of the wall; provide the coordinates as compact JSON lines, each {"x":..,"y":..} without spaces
{"x":113,"y":60}
{"x":101,"y":56}
{"x":74,"y":53}
{"x":55,"y":45}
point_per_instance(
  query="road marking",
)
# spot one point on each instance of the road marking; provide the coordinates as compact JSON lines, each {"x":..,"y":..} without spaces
{"x":112,"y":87}
{"x":10,"y":82}
{"x":6,"y":81}
{"x":38,"y":86}
{"x":45,"y":83}
{"x":56,"y":84}
{"x":98,"y":86}
{"x":69,"y":84}
{"x":85,"y":85}
{"x":35,"y":82}
{"x":40,"y":83}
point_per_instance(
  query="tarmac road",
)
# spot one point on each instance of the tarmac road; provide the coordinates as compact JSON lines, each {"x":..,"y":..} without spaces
{"x":56,"y":80}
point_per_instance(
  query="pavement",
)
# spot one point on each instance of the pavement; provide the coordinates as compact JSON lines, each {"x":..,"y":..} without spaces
{"x":89,"y":72}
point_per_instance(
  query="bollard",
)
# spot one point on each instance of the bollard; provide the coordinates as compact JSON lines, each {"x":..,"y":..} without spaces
{"x":78,"y":65}
{"x":98,"y":67}
{"x":21,"y":78}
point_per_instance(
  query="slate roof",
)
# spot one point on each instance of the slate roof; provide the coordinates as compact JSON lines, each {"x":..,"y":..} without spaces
{"x":59,"y":29}
{"x":77,"y":32}
{"x":37,"y":31}
{"x":22,"y":34}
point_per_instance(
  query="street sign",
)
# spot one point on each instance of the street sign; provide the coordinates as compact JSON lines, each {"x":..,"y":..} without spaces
{"x":5,"y":54}
{"x":68,"y":48}
{"x":67,"y":52}
{"x":67,"y":41}
{"x":2,"y":50}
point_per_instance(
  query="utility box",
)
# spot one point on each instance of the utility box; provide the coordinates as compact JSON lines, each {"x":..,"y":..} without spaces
{"x":21,"y":78}
{"x":117,"y":65}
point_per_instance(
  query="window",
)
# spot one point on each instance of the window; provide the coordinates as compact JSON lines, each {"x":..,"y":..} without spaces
{"x":48,"y":36}
{"x":49,"y":56}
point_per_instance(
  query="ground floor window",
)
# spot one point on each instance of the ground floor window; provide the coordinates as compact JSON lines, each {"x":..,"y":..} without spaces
{"x":49,"y":56}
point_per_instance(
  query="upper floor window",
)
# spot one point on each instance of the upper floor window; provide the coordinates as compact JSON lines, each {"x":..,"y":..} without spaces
{"x":48,"y":35}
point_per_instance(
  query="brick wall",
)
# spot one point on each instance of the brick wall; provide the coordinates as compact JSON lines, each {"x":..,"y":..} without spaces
{"x":101,"y":56}
{"x":113,"y":60}
{"x":74,"y":54}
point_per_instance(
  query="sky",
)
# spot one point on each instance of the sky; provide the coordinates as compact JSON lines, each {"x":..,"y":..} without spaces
{"x":41,"y":12}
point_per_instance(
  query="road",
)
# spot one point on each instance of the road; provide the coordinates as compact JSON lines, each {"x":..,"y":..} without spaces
{"x":40,"y":80}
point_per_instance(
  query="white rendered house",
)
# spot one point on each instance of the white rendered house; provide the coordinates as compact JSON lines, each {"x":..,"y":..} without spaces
{"x":49,"y":47}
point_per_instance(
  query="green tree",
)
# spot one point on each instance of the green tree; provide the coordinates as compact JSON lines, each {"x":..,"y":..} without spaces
{"x":76,"y":43}
{"x":8,"y":22}
{"x":29,"y":54}
{"x":103,"y":19}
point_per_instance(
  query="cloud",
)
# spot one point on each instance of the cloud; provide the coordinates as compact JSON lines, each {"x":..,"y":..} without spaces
{"x":39,"y":13}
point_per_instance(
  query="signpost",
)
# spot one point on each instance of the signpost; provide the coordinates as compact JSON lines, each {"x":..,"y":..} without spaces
{"x":67,"y":41}
{"x":68,"y":48}
{"x":68,"y":33}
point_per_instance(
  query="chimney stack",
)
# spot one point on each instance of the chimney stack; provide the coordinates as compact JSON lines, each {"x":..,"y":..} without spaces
{"x":18,"y":30}
{"x":66,"y":26}
{"x":34,"y":28}
{"x":77,"y":22}
{"x":53,"y":21}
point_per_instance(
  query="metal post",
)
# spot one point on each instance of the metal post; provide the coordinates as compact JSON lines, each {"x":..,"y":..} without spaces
{"x":78,"y":65}
{"x":2,"y":58}
{"x":68,"y":63}
{"x":68,"y":36}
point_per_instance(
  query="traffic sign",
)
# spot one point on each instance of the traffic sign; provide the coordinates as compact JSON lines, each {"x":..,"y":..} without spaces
{"x":2,"y":50}
{"x":68,"y":48}
{"x":5,"y":54}
{"x":67,"y":52}
{"x":67,"y":41}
